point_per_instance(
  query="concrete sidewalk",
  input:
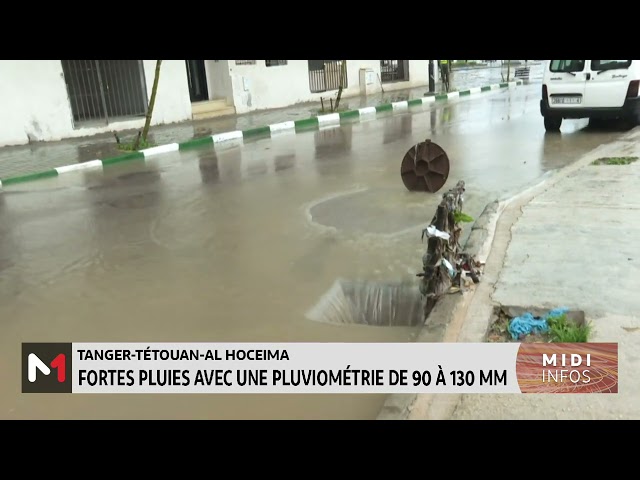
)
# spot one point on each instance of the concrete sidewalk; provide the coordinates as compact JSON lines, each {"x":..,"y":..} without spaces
{"x":568,"y":242}
{"x":26,"y":159}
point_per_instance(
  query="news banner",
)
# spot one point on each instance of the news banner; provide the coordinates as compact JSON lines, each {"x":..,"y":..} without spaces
{"x":384,"y":368}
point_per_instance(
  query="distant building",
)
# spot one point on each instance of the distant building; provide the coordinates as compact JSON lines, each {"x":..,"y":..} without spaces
{"x":46,"y":100}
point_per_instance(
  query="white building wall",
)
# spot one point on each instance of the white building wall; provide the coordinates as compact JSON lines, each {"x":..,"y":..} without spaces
{"x":257,"y":87}
{"x":35,"y":104}
{"x":34,"y":101}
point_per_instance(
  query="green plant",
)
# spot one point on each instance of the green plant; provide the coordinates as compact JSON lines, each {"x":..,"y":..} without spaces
{"x":561,"y":330}
{"x":130,"y":146}
{"x":614,"y":161}
{"x":461,"y":217}
{"x":327,"y":111}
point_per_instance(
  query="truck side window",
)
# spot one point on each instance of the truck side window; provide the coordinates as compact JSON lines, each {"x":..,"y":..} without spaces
{"x":610,"y":64}
{"x":566,"y":66}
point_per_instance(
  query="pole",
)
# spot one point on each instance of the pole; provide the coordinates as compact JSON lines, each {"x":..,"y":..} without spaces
{"x":432,"y":78}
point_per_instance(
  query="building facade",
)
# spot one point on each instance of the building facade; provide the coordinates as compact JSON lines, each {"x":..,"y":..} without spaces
{"x":48,"y":100}
{"x":248,"y":85}
{"x":45,"y":100}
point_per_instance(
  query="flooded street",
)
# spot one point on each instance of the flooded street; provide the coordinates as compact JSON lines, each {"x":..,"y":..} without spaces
{"x":238,"y":244}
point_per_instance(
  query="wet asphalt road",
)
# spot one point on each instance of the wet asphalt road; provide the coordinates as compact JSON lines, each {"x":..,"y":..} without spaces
{"x":237,"y":244}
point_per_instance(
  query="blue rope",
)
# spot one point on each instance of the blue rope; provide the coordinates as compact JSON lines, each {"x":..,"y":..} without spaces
{"x":527,"y":324}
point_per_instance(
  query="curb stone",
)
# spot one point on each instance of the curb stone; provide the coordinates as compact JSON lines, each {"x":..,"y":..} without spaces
{"x":267,"y":131}
{"x":481,"y":229}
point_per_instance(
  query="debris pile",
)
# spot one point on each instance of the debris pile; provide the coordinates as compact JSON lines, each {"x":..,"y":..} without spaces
{"x":445,"y":268}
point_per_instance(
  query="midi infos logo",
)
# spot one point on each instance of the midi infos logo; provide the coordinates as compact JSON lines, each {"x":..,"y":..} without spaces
{"x":568,"y":368}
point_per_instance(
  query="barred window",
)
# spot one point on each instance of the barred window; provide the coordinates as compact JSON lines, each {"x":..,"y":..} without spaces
{"x":275,"y":63}
{"x":394,"y":70}
{"x":105,"y":90}
{"x":245,"y":62}
{"x":326,"y":75}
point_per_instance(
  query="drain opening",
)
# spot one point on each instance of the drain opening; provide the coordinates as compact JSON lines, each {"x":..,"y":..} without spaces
{"x":380,"y":304}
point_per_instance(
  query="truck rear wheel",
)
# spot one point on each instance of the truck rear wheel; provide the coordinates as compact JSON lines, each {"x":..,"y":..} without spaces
{"x":552,"y":124}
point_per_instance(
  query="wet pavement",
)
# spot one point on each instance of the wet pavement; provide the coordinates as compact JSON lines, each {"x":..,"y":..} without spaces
{"x":24,"y":159}
{"x":239,"y":243}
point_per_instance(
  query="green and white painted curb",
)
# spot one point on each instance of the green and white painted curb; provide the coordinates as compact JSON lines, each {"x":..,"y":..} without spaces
{"x":296,"y":126}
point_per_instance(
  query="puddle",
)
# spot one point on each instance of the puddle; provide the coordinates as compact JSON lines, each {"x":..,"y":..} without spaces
{"x":378,"y":211}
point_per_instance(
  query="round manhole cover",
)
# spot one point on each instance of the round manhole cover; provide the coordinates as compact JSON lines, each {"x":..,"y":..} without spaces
{"x":425,"y":167}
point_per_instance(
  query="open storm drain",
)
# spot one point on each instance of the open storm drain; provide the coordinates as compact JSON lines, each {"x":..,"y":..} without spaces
{"x":380,"y":304}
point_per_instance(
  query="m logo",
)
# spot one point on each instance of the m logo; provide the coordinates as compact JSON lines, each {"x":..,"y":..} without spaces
{"x":36,"y":364}
{"x":46,"y":368}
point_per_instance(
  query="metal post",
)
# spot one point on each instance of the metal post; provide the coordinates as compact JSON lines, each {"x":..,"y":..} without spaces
{"x":432,"y":78}
{"x":143,"y":84}
{"x":104,"y":100}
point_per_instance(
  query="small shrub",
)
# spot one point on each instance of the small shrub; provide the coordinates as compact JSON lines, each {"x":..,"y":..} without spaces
{"x":128,"y":146}
{"x":614,"y":161}
{"x":561,"y":330}
{"x":327,"y":111}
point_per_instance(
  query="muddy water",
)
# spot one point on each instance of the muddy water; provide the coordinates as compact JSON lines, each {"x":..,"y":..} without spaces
{"x":239,"y":244}
{"x":165,"y":262}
